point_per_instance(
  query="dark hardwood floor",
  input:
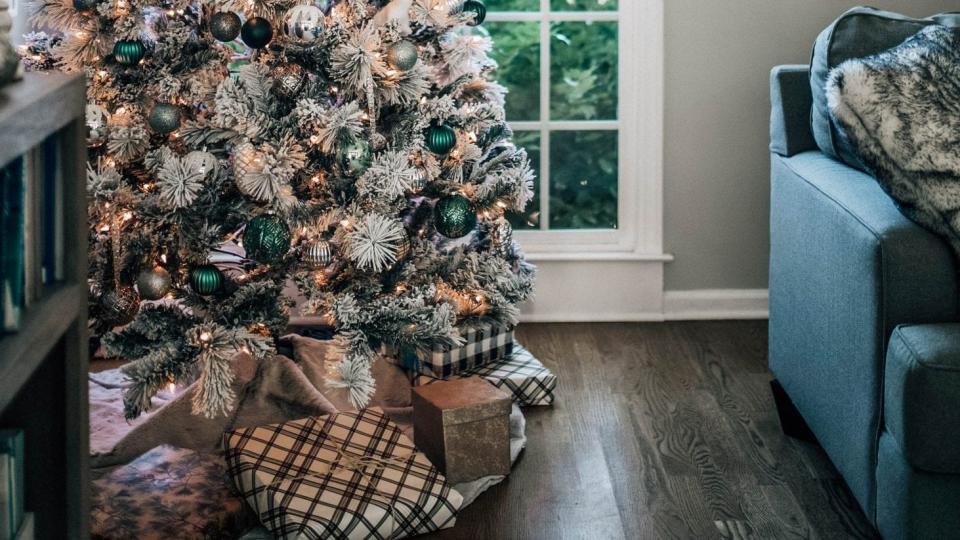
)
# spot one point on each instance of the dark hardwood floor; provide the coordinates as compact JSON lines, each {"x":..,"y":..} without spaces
{"x":661,"y":431}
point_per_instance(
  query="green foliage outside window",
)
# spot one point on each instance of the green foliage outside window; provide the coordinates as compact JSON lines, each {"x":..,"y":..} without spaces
{"x":583,"y":86}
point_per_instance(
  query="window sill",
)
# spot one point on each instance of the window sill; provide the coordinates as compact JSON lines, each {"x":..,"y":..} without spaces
{"x":598,"y":256}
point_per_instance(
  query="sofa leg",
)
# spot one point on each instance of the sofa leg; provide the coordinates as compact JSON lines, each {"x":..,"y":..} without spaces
{"x":792,"y":424}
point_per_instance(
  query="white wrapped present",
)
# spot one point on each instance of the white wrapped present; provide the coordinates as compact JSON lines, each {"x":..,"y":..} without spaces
{"x":349,"y":475}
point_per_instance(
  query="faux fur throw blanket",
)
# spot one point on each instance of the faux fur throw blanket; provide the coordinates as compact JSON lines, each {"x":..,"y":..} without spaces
{"x":901,"y":108}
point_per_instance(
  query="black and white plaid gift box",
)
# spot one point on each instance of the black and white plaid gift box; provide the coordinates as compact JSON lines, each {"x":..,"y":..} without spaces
{"x":349,"y":475}
{"x":521,"y":374}
{"x":483,"y":345}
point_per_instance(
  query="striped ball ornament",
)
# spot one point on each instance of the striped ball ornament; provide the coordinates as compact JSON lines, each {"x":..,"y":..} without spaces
{"x":206,"y":279}
{"x":318,"y":254}
{"x":441,"y":139}
{"x":129,"y":52}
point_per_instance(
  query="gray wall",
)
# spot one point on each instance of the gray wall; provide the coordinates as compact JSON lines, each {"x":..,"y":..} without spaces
{"x":718,"y":56}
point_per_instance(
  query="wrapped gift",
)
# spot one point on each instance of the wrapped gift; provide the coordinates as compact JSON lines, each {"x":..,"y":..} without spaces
{"x":346,"y":475}
{"x":520,"y":374}
{"x":483,"y":345}
{"x":463,"y":425}
{"x":168,"y":493}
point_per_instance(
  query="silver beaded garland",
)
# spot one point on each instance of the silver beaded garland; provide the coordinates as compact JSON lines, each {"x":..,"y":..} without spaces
{"x":318,"y":254}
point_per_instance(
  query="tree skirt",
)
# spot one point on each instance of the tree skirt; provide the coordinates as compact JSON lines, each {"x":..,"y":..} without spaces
{"x":269,"y":392}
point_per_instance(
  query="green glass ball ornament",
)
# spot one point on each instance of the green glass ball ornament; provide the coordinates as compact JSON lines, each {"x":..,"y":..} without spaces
{"x":266,"y":239}
{"x":356,"y":157}
{"x":225,"y":26}
{"x":154,"y":284}
{"x":119,"y":307}
{"x":441,"y":139}
{"x":206,"y":279}
{"x":129,"y":52}
{"x":317,"y":254}
{"x":303,"y":25}
{"x":164,"y":117}
{"x":454,"y":216}
{"x":402,"y":55}
{"x":256,"y":33}
{"x":479,"y":10}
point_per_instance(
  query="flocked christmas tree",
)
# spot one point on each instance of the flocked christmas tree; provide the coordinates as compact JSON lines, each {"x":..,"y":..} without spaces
{"x":354,"y":148}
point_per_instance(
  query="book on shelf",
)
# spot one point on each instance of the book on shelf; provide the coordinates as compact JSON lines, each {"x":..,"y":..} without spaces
{"x":51,"y":209}
{"x":12,"y":271}
{"x":26,"y":528}
{"x":11,"y":483}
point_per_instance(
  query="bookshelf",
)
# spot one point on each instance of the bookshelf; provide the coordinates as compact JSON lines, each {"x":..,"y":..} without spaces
{"x":43,"y":364}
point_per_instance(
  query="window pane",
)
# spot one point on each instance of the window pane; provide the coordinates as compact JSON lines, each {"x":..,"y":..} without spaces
{"x":583,"y":180}
{"x":516,"y":48}
{"x":513,"y":5}
{"x":583,"y":71}
{"x":583,"y":5}
{"x":530,"y":219}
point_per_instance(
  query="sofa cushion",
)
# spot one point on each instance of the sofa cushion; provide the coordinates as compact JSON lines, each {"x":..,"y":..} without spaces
{"x":858,"y":33}
{"x":922,"y":395}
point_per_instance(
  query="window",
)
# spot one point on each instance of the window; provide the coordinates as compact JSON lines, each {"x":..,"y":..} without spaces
{"x":564,"y":62}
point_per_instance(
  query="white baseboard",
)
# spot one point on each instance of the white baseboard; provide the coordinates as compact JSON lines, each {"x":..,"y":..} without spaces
{"x":711,"y":304}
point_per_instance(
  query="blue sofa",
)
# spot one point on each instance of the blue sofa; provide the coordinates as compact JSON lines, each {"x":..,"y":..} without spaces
{"x":863,"y":340}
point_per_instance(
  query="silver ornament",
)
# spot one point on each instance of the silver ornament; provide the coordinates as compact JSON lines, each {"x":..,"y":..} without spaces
{"x":96,"y":125}
{"x":501,"y":237}
{"x":154,"y":284}
{"x":289,"y":80}
{"x":204,"y":162}
{"x":402,"y":55}
{"x":355,"y":158}
{"x":302,"y":25}
{"x":246,"y":161}
{"x":418,"y":183}
{"x":119,"y":307}
{"x":318,"y":254}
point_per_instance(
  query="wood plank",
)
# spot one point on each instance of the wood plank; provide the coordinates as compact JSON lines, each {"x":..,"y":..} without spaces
{"x":661,"y":431}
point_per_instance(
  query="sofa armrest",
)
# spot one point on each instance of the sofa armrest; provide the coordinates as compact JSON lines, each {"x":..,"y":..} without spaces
{"x":791,"y":101}
{"x":922,"y":395}
{"x":846,"y":268}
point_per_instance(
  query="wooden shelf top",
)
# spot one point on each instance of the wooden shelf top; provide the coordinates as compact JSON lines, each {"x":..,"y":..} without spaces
{"x":35,"y":107}
{"x":42,"y":325}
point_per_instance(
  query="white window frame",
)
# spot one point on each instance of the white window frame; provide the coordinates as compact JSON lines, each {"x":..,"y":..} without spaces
{"x":640,"y":135}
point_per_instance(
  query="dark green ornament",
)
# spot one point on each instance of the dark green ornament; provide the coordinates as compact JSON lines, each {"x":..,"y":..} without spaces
{"x":454,"y":216}
{"x":225,"y":26}
{"x":266,"y":239}
{"x":154,"y":284}
{"x":128,"y":52}
{"x":256,"y":32}
{"x":402,"y":55}
{"x":356,"y":157}
{"x":164,"y":117}
{"x":479,"y":10}
{"x":441,"y":139}
{"x":206,"y":279}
